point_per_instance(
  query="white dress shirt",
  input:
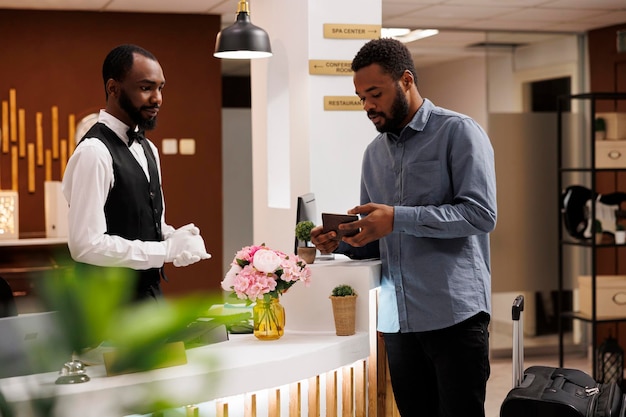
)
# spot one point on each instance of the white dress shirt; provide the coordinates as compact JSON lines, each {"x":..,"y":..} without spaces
{"x":86,"y":183}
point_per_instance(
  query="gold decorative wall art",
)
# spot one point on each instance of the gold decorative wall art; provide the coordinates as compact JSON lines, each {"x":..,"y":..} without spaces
{"x":14,"y":169}
{"x":21,"y":142}
{"x":5,"y":126}
{"x":54,"y":113}
{"x":71,"y":134}
{"x":31,"y":167}
{"x":21,"y":133}
{"x":13,"y":114}
{"x":48,"y":165}
{"x":39,"y":137}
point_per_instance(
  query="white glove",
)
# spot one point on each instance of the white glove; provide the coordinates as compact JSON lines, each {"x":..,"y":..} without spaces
{"x":185,"y":246}
{"x":168,"y":231}
{"x":186,"y":258}
{"x":192,"y":228}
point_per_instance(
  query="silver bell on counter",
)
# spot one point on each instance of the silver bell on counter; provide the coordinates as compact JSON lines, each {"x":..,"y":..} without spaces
{"x":73,"y":372}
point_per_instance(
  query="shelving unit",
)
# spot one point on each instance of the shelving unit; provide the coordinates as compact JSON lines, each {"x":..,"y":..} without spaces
{"x":588,"y":171}
{"x":24,"y":263}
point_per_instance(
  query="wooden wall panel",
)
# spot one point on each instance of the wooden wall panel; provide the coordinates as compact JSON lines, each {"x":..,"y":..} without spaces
{"x":54,"y":59}
{"x":606,"y":66}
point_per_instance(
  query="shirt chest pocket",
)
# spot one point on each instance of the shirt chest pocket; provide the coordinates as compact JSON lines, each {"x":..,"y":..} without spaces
{"x":421,"y":183}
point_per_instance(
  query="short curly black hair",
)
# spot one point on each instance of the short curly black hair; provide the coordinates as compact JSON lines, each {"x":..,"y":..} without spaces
{"x":119,"y":61}
{"x":392,"y":55}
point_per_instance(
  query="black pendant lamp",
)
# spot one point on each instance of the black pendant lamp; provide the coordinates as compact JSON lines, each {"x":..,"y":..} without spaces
{"x":242,"y":40}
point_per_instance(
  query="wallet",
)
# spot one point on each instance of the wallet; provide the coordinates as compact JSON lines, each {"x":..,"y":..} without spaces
{"x":331,"y":221}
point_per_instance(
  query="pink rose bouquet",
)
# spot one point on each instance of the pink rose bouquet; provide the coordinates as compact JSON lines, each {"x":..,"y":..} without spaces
{"x":258,"y":272}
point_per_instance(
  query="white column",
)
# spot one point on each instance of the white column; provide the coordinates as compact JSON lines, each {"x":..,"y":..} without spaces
{"x":297,"y":146}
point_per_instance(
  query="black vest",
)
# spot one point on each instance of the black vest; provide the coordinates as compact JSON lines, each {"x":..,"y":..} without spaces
{"x":134,"y":206}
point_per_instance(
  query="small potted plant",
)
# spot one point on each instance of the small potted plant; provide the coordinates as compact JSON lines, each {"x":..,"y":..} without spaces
{"x":600,"y":128}
{"x":303,"y":234}
{"x":343,"y":298}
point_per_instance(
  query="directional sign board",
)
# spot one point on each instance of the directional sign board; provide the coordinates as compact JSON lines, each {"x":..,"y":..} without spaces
{"x":342,"y":103}
{"x":329,"y":67}
{"x":351,"y":31}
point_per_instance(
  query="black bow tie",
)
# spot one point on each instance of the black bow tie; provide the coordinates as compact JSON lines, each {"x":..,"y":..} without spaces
{"x":134,"y":136}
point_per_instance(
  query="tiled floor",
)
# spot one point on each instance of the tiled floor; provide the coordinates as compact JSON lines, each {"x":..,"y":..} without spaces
{"x":501,"y":378}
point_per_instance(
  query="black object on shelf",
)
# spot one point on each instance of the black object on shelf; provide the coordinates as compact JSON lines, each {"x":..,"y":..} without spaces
{"x":610,"y":360}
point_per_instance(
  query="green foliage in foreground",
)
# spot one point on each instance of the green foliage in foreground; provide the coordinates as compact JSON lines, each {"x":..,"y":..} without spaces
{"x":94,"y":307}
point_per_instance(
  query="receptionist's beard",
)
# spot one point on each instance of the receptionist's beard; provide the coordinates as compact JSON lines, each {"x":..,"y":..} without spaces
{"x":135,"y":113}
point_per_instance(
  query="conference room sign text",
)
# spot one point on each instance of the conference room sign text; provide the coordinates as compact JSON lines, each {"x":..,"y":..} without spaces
{"x":330,"y":67}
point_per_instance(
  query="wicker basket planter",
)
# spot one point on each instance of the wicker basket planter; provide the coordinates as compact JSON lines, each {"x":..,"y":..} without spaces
{"x":344,"y":313}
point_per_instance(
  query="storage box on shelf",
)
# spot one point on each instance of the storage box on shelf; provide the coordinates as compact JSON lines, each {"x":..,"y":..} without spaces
{"x":610,"y":153}
{"x":610,"y":296}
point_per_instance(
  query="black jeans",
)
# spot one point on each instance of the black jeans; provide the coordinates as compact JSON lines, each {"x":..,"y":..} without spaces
{"x":441,"y":373}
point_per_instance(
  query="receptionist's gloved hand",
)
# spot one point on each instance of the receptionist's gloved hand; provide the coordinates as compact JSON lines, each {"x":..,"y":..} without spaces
{"x":187,"y":258}
{"x":185,"y":246}
{"x":192,"y":228}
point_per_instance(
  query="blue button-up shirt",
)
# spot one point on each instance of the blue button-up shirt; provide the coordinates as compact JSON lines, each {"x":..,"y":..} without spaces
{"x":439,"y":175}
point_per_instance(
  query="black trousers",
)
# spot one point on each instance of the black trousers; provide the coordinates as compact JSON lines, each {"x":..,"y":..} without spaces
{"x":441,"y":373}
{"x":148,"y":285}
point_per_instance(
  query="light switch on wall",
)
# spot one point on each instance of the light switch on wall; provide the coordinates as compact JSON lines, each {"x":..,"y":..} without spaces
{"x":169,"y":147}
{"x":187,"y":146}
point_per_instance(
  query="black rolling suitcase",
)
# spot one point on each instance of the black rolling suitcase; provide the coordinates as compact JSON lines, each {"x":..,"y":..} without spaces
{"x":543,"y":391}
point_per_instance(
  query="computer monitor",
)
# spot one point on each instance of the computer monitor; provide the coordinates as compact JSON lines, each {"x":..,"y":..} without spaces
{"x":32,"y":343}
{"x":306,"y":210}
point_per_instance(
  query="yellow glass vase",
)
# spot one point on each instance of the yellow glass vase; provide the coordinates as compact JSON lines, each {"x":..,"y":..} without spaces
{"x":269,"y":319}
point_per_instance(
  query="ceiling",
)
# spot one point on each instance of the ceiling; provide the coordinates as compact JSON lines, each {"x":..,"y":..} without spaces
{"x":462,"y":23}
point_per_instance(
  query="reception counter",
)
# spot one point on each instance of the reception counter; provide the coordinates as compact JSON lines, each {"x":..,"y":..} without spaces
{"x":323,"y":374}
{"x":240,"y":365}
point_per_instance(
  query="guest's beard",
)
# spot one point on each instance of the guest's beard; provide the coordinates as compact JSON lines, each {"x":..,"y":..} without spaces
{"x":135,"y":113}
{"x":398,"y":113}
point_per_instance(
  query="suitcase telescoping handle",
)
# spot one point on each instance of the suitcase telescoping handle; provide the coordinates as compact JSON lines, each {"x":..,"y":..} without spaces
{"x":518,"y":340}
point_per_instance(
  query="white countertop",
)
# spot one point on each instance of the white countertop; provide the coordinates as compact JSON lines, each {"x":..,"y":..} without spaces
{"x":242,"y":364}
